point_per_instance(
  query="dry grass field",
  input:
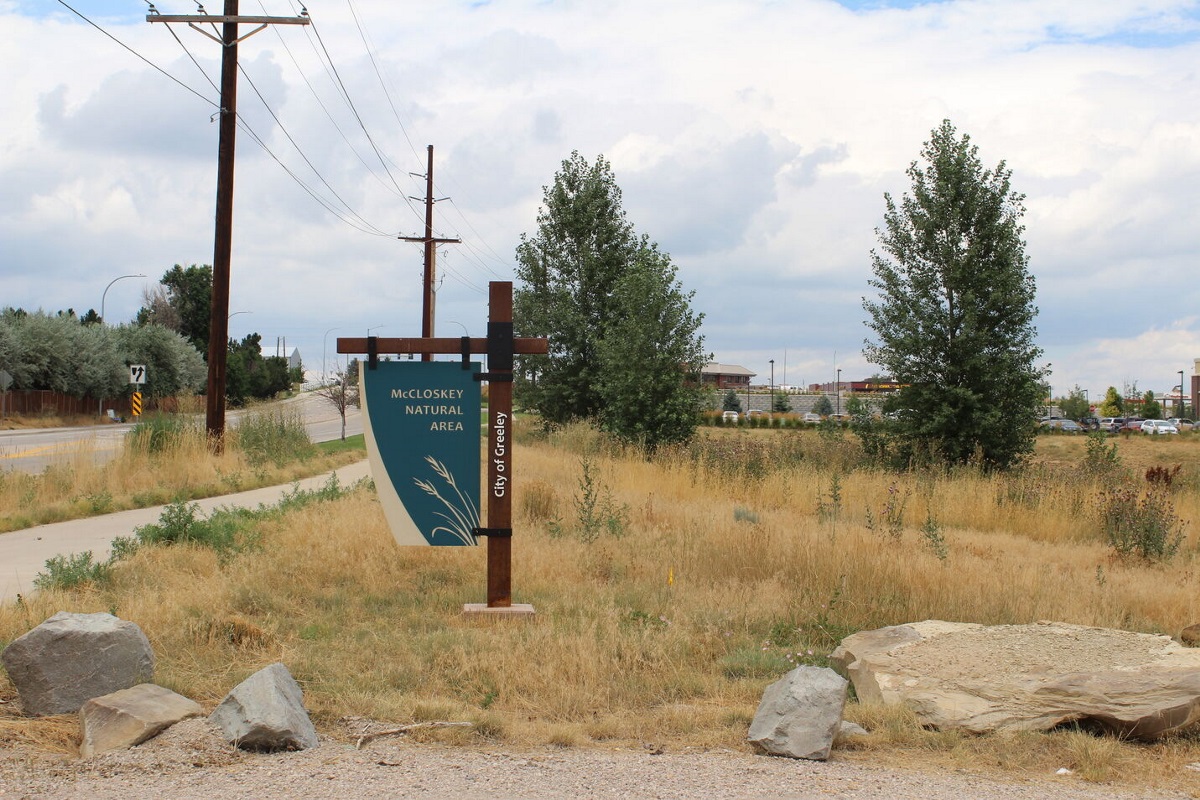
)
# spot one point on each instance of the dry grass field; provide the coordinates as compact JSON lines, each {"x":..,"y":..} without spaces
{"x":147,"y":474}
{"x":669,"y":592}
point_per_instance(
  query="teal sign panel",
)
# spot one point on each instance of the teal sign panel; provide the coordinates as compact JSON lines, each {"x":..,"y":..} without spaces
{"x":421,"y":424}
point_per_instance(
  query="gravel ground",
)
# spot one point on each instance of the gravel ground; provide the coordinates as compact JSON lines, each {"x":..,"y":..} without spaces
{"x":191,"y":761}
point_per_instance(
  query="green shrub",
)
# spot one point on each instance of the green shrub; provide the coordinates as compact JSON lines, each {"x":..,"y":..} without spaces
{"x":180,"y":522}
{"x":1101,"y":459}
{"x":71,"y":571}
{"x":276,"y":436}
{"x":158,"y":433}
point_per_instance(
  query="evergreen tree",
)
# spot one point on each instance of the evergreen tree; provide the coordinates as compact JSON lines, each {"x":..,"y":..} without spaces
{"x":624,"y":345}
{"x":953,"y":319}
{"x":731,"y":402}
{"x":1151,"y":408}
{"x":1074,"y":405}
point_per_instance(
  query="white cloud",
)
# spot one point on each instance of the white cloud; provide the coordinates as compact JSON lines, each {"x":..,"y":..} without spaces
{"x":753,"y":141}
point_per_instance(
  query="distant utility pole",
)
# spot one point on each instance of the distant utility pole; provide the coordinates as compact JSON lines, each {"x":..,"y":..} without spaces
{"x":218,"y":330}
{"x":430,"y":256}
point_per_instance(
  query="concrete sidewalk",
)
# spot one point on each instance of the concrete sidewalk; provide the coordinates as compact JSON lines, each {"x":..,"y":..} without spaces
{"x":23,"y":554}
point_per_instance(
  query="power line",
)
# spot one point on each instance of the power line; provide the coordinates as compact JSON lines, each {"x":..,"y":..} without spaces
{"x":307,"y":161}
{"x":365,"y":227}
{"x":328,"y":114}
{"x":375,"y":65}
{"x":361,"y":124}
{"x":139,"y":55}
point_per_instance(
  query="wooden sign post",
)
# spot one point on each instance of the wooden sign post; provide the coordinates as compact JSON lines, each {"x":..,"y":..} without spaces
{"x":500,"y":346}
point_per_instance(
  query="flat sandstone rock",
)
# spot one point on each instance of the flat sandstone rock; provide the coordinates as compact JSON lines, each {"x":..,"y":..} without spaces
{"x":1026,"y":677}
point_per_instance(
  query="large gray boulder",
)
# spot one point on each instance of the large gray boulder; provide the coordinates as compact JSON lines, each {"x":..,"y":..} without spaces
{"x":71,"y":658}
{"x":266,"y":712}
{"x":131,"y":716}
{"x":1026,"y":677}
{"x":800,"y":714}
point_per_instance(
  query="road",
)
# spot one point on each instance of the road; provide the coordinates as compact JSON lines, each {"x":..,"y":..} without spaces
{"x":33,"y":450}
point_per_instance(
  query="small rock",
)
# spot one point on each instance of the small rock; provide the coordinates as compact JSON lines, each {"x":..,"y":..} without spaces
{"x":266,"y":712}
{"x":1190,"y":636}
{"x":800,"y":714}
{"x":849,"y":729}
{"x":131,"y":716}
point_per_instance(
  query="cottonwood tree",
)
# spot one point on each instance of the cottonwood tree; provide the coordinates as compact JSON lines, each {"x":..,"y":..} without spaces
{"x":188,"y":300}
{"x":953,"y":318}
{"x":625,"y":349}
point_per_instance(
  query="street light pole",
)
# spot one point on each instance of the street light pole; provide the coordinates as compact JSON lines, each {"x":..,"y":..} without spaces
{"x":103,"y":321}
{"x":1180,"y":403}
{"x":838,"y":391}
{"x":104,"y":296}
{"x":771,"y":407}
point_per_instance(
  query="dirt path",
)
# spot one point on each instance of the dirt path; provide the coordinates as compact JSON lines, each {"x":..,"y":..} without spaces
{"x":191,"y":761}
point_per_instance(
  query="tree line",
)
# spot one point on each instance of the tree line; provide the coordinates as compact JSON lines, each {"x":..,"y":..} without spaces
{"x":83,"y":357}
{"x":951,"y":316}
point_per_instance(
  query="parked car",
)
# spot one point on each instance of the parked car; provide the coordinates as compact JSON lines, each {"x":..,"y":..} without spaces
{"x":1181,"y":423}
{"x":729,"y":416}
{"x":754,"y":413}
{"x":1132,"y":424}
{"x":1111,"y":424}
{"x":1089,"y":423}
{"x":1063,"y":426}
{"x":840,"y":419}
{"x":1156,"y":426}
{"x":811,"y":417}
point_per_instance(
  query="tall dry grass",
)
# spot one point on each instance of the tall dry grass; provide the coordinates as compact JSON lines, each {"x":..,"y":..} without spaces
{"x":715,"y":570}
{"x":181,"y":467}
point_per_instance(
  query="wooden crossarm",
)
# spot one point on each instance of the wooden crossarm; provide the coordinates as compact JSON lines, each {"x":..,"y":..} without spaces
{"x":522,"y":345}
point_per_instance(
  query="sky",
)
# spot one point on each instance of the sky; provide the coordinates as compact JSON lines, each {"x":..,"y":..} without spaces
{"x":754,"y":141}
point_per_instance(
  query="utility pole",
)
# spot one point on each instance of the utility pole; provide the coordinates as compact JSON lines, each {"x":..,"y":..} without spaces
{"x":218,"y":328}
{"x":431,"y":244}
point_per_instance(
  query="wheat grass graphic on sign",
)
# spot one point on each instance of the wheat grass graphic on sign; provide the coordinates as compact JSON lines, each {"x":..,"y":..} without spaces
{"x":463,"y":516}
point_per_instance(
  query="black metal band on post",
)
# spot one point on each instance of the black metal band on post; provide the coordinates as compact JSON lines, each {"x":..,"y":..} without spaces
{"x":372,"y":353}
{"x":500,"y":346}
{"x":500,"y":533}
{"x":465,"y":349}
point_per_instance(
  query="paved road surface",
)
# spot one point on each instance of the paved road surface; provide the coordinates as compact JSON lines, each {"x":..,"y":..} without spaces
{"x":23,"y":554}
